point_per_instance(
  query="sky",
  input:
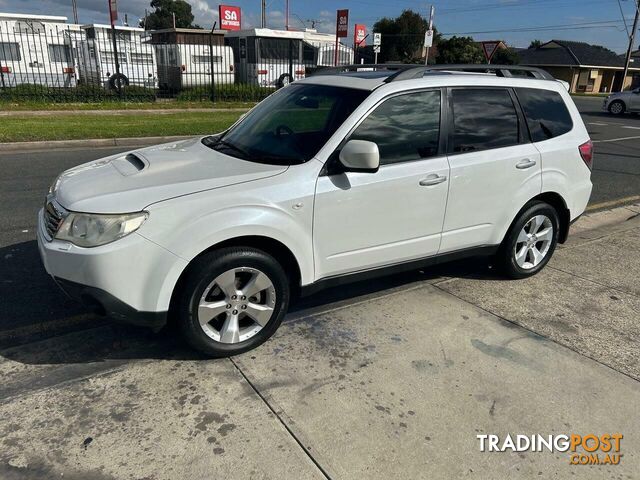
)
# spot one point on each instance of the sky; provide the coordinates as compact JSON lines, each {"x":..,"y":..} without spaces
{"x":516,"y":22}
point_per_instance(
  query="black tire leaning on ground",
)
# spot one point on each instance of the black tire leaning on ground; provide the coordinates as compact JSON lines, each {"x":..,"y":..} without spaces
{"x":113,"y":79}
{"x":505,"y":258}
{"x":203,"y":271}
{"x":617,"y":111}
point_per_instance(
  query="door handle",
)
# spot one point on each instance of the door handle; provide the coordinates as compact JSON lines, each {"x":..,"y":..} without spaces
{"x":433,"y":180}
{"x":525,"y":164}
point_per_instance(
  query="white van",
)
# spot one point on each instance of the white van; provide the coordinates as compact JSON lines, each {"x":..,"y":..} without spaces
{"x":35,"y":49}
{"x":136,"y":57}
{"x":266,"y":57}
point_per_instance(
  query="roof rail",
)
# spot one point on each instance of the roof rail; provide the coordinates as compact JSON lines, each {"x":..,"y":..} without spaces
{"x":497,"y":70}
{"x":410,"y":71}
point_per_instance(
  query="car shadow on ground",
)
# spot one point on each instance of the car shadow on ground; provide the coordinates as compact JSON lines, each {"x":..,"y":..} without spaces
{"x":39,"y":325}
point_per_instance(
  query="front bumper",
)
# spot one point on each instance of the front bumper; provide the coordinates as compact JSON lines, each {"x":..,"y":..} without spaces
{"x":131,"y":279}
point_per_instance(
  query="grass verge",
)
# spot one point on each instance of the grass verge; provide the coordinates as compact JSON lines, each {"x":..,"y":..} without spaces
{"x":18,"y":128}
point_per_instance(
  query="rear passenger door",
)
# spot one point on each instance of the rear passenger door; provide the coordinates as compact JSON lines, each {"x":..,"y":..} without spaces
{"x":495,"y":169}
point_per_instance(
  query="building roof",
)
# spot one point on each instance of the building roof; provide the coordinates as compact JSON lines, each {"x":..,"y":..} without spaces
{"x":26,"y":16}
{"x":568,"y":53}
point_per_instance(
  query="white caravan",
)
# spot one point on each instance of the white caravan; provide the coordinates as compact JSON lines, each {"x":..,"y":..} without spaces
{"x":137,"y":57}
{"x":324,"y":45}
{"x":37,"y":50}
{"x":266,"y":57}
{"x":185,"y":58}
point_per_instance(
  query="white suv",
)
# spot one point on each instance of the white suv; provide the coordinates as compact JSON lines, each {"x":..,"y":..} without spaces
{"x":331,"y":179}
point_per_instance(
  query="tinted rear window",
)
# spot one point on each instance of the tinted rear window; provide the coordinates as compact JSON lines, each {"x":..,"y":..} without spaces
{"x":546,"y":113}
{"x":483,"y":119}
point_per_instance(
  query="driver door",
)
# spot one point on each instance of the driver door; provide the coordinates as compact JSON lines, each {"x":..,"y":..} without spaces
{"x":369,"y":220}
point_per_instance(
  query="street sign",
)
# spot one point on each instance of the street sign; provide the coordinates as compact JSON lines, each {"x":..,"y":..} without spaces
{"x":376,"y":49}
{"x":113,"y":11}
{"x":230,"y":17}
{"x":490,"y":49}
{"x":428,"y":38}
{"x":359,"y":35}
{"x":377,"y":39}
{"x":342,"y":24}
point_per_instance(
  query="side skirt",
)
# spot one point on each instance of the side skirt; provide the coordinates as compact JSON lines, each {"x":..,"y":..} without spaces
{"x":336,"y":280}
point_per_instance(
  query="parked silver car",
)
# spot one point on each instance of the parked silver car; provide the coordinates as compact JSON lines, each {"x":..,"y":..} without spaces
{"x":622,"y":102}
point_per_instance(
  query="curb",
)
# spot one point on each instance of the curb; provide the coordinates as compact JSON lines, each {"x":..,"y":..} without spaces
{"x":96,"y":142}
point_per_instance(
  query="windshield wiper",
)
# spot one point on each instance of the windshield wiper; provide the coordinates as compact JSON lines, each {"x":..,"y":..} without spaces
{"x":230,"y":145}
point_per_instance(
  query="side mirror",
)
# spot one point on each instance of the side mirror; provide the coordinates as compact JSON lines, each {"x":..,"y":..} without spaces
{"x":360,"y":156}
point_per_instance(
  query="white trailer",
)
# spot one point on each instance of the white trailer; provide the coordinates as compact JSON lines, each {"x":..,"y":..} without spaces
{"x":136,"y":57}
{"x":266,"y":57}
{"x":185,"y":57}
{"x":37,"y":50}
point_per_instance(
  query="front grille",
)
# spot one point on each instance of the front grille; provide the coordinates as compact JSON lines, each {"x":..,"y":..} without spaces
{"x":53,"y":217}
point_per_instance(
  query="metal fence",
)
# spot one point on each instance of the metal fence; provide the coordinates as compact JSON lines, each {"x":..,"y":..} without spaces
{"x":70,"y":63}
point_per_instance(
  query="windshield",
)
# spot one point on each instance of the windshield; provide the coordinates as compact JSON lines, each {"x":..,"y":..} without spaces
{"x":291,"y":125}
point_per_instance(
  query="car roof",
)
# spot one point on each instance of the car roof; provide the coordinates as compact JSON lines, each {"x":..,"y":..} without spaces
{"x":371,"y":80}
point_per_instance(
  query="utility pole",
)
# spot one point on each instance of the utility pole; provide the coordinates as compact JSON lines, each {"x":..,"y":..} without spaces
{"x":74,"y":6}
{"x":286,"y":15}
{"x":632,"y":38}
{"x":431,"y":13}
{"x":263,"y":7}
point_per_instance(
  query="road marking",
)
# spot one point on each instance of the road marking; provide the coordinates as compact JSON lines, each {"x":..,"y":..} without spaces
{"x":613,"y":203}
{"x":616,"y":139}
{"x":598,"y":123}
{"x":632,"y":128}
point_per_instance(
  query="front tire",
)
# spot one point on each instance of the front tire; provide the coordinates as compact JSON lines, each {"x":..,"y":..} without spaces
{"x":530,"y":242}
{"x":617,"y":107}
{"x":232,"y":300}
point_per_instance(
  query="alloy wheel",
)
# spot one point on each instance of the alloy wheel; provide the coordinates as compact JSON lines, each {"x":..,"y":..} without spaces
{"x":236,"y":305}
{"x":616,"y":108}
{"x":533,"y":242}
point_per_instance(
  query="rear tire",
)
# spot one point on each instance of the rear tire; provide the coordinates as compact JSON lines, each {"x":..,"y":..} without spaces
{"x":118,"y":81}
{"x":530,"y":241}
{"x":617,"y":107}
{"x":232,"y":300}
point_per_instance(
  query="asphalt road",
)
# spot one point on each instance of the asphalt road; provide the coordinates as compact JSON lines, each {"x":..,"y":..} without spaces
{"x":616,"y":172}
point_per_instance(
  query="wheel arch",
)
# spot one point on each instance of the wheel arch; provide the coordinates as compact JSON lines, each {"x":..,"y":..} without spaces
{"x":558,"y":203}
{"x":269,"y":245}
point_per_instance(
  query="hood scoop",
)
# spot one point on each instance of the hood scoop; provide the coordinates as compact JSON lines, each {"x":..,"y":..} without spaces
{"x":129,"y":164}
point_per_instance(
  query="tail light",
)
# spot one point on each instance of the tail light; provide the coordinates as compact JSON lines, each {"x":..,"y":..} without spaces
{"x":5,"y":69}
{"x":183,"y":68}
{"x":262,"y":72}
{"x":586,"y":152}
{"x":299,"y":72}
{"x":69,"y":70}
{"x":231,"y":68}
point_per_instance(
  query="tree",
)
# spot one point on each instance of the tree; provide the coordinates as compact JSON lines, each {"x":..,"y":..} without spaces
{"x":402,"y":37}
{"x":506,"y":56}
{"x":162,"y":16}
{"x":459,"y":50}
{"x":535,"y":43}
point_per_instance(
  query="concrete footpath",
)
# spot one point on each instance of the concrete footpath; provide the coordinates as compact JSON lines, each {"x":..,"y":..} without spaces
{"x":392,"y":379}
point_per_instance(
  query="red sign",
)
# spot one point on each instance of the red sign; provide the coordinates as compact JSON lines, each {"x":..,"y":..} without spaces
{"x":342,"y":23}
{"x":230,"y":17}
{"x":113,"y":11}
{"x":359,"y":35}
{"x":490,"y":49}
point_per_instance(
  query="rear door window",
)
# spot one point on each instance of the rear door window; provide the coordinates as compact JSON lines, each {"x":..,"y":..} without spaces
{"x":483,"y":118}
{"x":546,"y":113}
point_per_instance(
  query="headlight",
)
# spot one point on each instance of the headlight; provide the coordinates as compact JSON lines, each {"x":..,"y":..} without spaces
{"x":92,"y":230}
